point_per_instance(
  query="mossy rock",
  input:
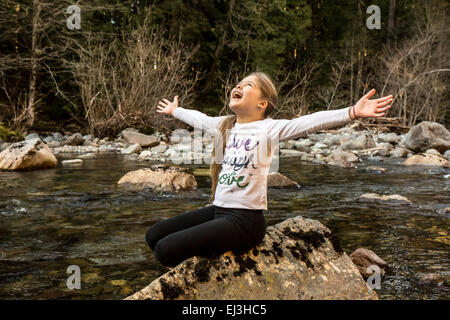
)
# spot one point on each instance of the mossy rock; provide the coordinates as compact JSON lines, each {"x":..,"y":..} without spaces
{"x":9,"y":135}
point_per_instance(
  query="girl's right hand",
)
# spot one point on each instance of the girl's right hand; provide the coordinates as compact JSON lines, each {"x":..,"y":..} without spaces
{"x":166,"y":106}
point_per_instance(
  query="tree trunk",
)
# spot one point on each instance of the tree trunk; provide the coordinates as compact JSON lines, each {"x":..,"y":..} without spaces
{"x":391,"y":22}
{"x":219,"y":48}
{"x":34,"y":64}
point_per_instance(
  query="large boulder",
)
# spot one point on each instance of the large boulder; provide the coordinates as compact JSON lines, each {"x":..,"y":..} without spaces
{"x":426,"y":135}
{"x":133,"y":137}
{"x":297,"y":259}
{"x":27,"y":155}
{"x":160,"y":178}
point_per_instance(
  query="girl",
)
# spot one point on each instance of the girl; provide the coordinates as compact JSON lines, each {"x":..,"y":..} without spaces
{"x":235,"y":220}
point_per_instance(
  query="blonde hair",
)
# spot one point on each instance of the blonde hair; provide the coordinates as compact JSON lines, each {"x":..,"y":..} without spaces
{"x":269,"y":93}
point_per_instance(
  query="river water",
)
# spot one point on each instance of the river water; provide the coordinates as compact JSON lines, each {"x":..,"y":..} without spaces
{"x":52,"y":219}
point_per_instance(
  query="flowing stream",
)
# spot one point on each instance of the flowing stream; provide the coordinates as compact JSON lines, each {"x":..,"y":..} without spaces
{"x":51,"y":219}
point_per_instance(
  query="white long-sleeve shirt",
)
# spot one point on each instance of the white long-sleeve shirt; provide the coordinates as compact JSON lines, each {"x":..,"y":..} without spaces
{"x":242,"y":181}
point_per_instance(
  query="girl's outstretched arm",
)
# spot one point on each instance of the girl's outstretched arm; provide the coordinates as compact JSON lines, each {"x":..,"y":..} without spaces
{"x":321,"y":120}
{"x":193,"y":118}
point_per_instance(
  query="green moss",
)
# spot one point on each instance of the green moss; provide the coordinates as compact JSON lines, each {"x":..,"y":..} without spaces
{"x":9,"y":135}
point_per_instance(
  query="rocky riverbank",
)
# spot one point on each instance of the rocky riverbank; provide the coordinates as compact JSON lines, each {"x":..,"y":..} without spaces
{"x":427,"y":143}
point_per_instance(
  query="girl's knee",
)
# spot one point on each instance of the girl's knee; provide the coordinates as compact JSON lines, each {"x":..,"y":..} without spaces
{"x":151,"y":238}
{"x":165,"y":254}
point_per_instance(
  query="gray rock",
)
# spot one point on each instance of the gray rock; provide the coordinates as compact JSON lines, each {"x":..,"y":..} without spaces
{"x":375,"y":158}
{"x":87,"y":142}
{"x":363,"y":141}
{"x":298,"y":259}
{"x":90,"y":155}
{"x":54,"y":144}
{"x":4,"y":145}
{"x":393,"y":199}
{"x":160,"y":148}
{"x":133,"y":148}
{"x":72,"y":162}
{"x":341,"y":158}
{"x":330,"y":141}
{"x":426,"y":135}
{"x":319,"y":145}
{"x":289,"y":144}
{"x":391,"y":137}
{"x":433,"y":151}
{"x":304,"y":143}
{"x":290,"y":153}
{"x":144,"y":140}
{"x":75,"y":139}
{"x":145,"y":155}
{"x":32,"y":136}
{"x":447,"y":154}
{"x":399,"y":152}
{"x":48,"y":139}
{"x":382,"y":153}
{"x":57,"y":136}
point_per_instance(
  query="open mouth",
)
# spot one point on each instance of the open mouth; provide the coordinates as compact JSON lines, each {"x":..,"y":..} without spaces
{"x":236,"y":95}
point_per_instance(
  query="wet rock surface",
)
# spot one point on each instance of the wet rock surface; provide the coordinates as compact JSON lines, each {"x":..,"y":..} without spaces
{"x":277,"y":180}
{"x":27,"y":155}
{"x":160,"y":178}
{"x":297,"y":259}
{"x":364,"y":259}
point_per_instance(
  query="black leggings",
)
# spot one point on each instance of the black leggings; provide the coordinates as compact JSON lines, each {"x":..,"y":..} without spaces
{"x":204,"y":231}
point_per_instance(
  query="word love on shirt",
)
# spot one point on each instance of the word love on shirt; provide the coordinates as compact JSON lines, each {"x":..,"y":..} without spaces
{"x":243,"y":142}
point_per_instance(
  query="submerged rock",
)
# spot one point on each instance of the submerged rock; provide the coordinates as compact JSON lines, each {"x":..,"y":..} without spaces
{"x":391,"y":199}
{"x":297,"y":259}
{"x":277,"y":180}
{"x":26,"y":155}
{"x":427,"y":159}
{"x":72,"y":162}
{"x":364,"y":258}
{"x":160,"y":178}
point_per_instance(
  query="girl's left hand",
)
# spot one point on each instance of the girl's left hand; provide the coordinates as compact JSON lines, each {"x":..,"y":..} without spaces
{"x":366,"y":108}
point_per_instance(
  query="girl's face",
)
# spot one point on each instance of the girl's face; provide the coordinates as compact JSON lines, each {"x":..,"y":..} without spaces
{"x":245,"y":97}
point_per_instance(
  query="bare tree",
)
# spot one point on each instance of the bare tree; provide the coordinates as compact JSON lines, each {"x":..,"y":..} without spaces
{"x":416,"y":70}
{"x":121,"y":81}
